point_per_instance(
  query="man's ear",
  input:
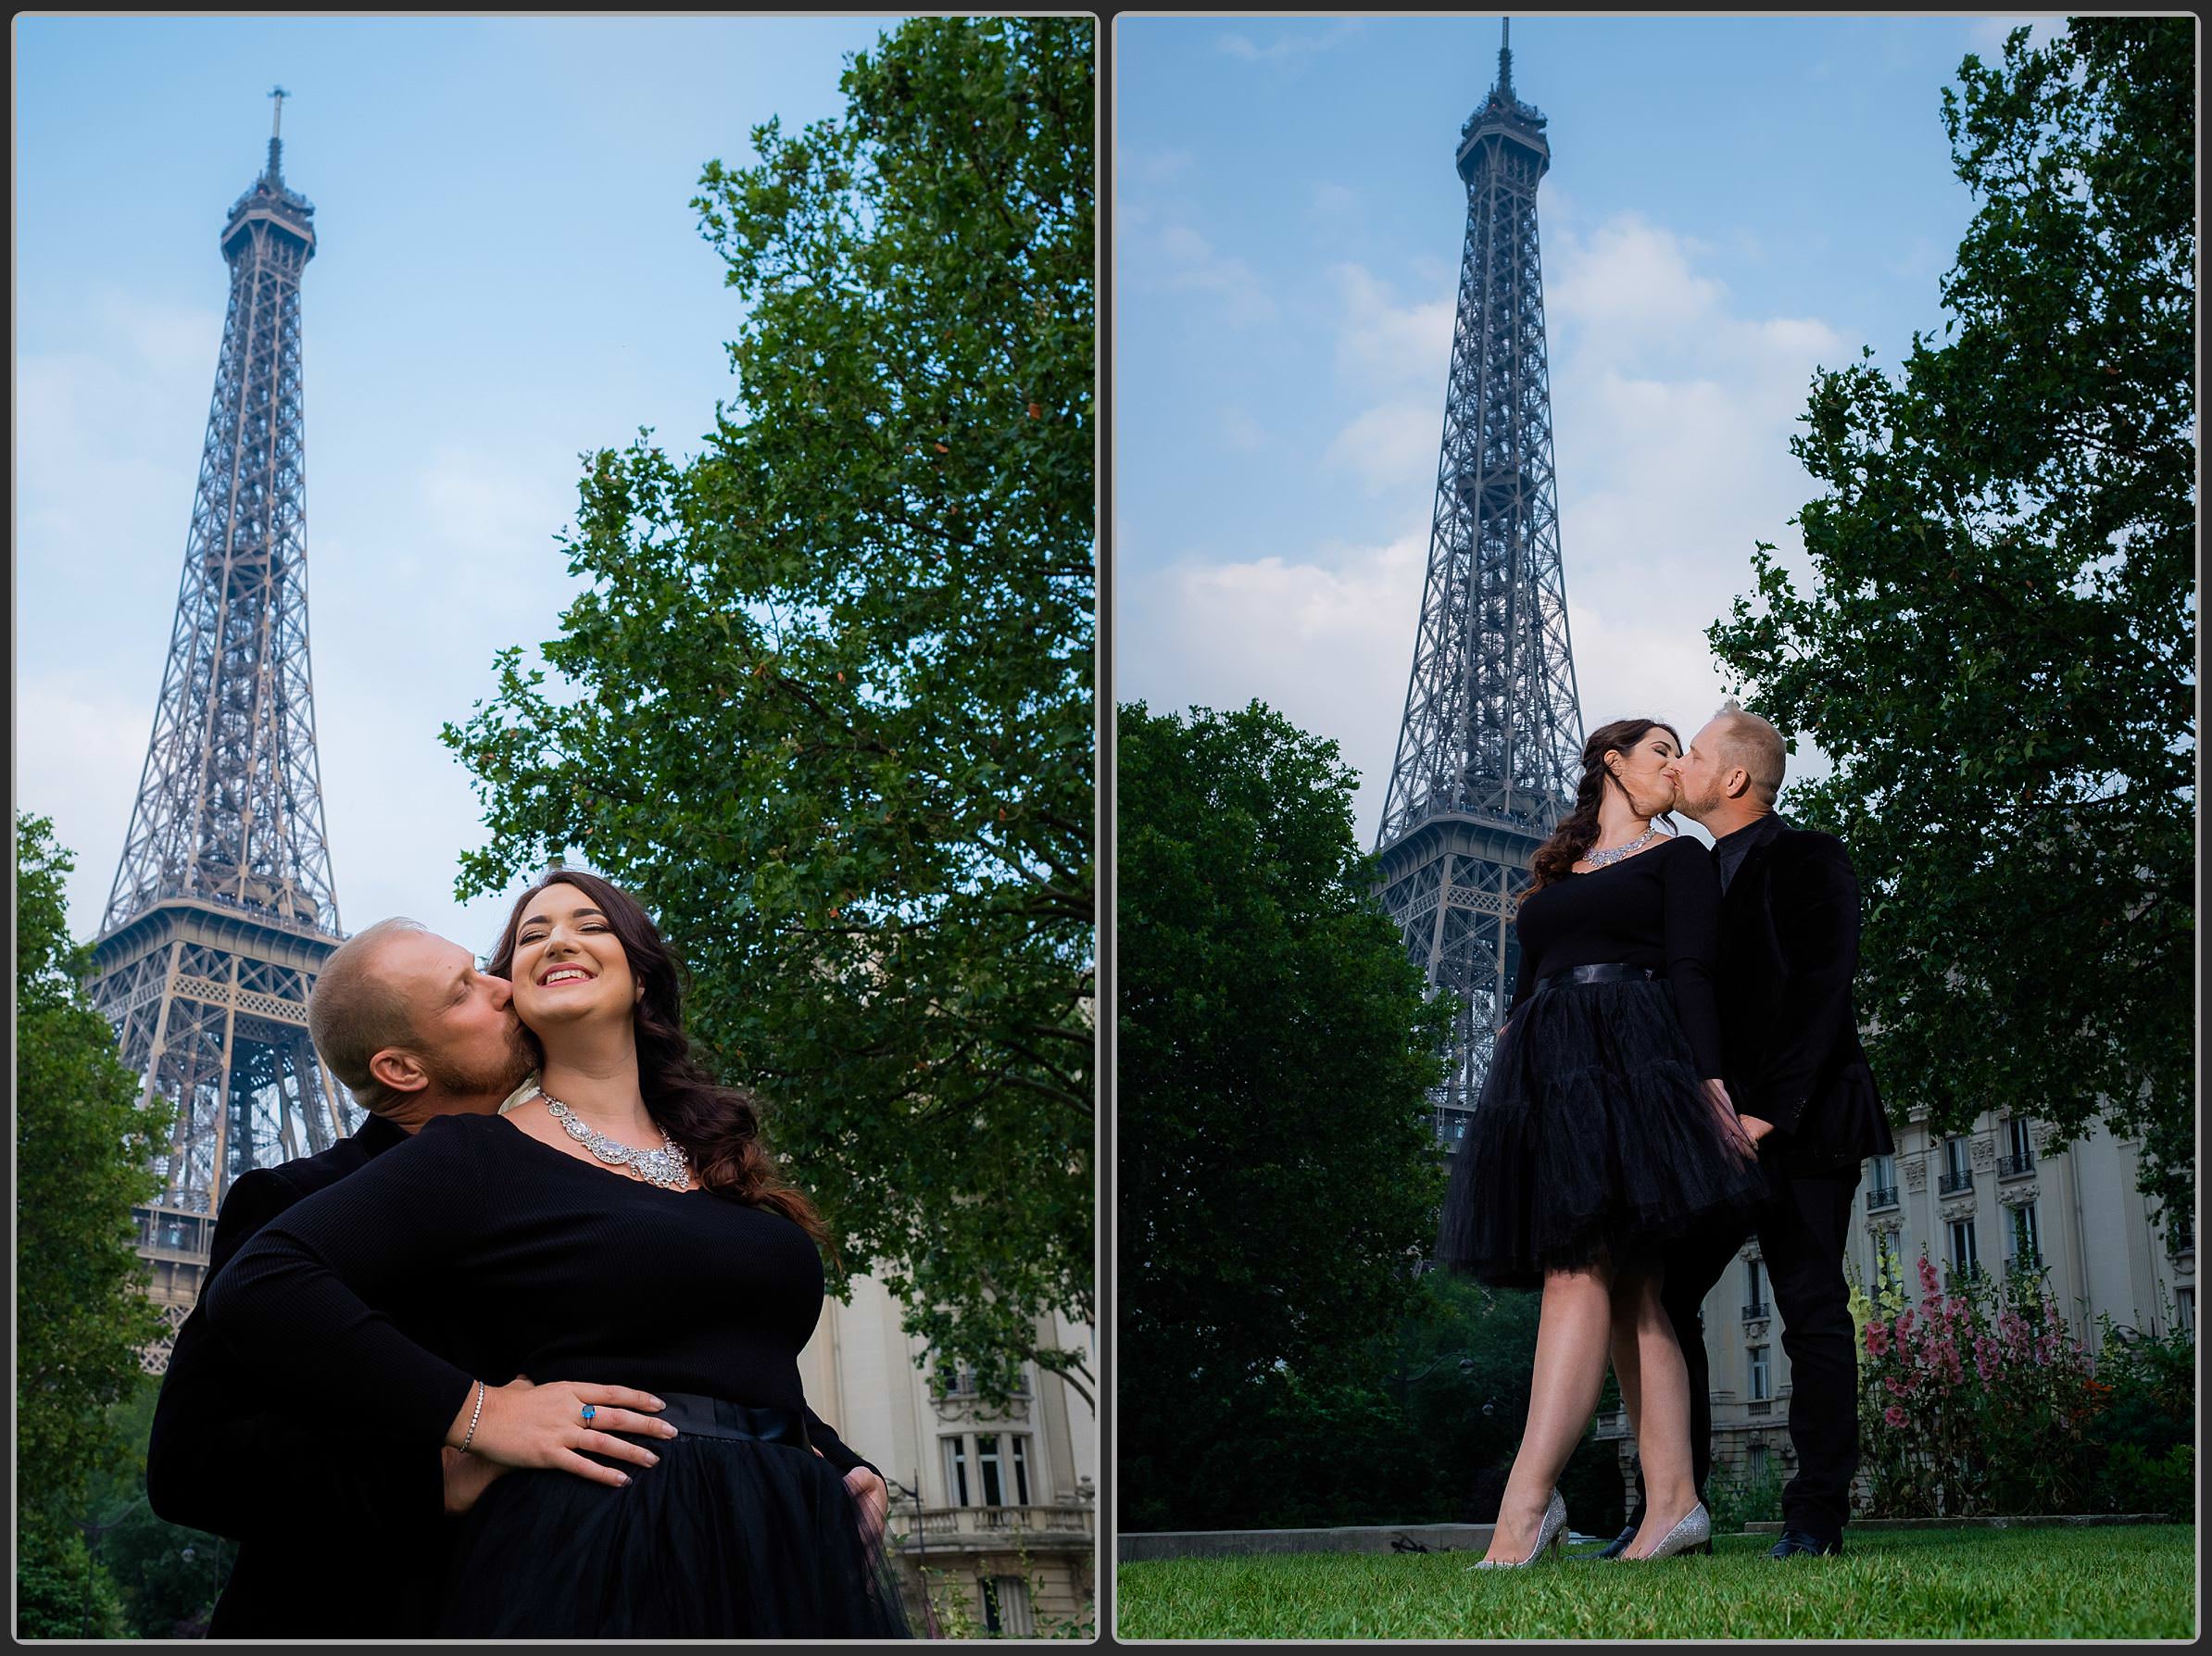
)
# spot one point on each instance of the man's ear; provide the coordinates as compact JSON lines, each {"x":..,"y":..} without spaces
{"x":1737,"y":783}
{"x":401,"y":1070}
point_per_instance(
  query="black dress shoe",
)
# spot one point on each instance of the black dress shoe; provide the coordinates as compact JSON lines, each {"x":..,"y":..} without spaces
{"x":1795,"y":1541}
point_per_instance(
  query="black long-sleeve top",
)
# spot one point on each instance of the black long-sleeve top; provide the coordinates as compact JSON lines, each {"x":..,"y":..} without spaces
{"x":1659,"y":908}
{"x":542,"y":1263}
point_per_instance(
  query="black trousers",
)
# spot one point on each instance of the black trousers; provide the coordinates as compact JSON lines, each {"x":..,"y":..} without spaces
{"x":1802,"y":1234}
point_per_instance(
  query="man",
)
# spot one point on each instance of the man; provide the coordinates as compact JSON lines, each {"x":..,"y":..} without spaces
{"x":407,"y":1021}
{"x":1798,"y":1078}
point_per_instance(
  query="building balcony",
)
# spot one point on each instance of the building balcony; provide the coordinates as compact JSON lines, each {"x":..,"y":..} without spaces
{"x":1759,"y":1406}
{"x":992,"y":1529}
{"x":1612,"y":1425}
{"x":1754,"y":1311}
{"x":1880,"y":1196}
{"x":2014,"y":1167}
{"x":1952,"y":1184}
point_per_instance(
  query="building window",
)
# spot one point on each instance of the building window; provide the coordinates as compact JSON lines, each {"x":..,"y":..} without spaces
{"x":1006,"y":1607}
{"x":2023,"y":1246}
{"x":1881,"y":1188}
{"x":1756,"y":1459}
{"x":1762,"y":1375}
{"x":1958,"y":1170}
{"x":990,"y":1469}
{"x":1754,"y":1289}
{"x":2185,"y":1311}
{"x":1965,"y":1262}
{"x":2020,"y":1141}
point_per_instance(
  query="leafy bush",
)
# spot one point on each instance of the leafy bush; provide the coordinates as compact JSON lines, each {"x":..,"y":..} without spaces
{"x":1735,"y":1498}
{"x":61,"y":1592}
{"x":1983,"y":1402}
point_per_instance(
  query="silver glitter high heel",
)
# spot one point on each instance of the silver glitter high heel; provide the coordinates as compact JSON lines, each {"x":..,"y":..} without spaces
{"x":1693,"y":1531}
{"x":1552,"y":1534}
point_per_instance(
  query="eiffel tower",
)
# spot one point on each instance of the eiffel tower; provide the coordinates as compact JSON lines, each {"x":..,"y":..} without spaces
{"x":1491,"y":739}
{"x":222,"y":910}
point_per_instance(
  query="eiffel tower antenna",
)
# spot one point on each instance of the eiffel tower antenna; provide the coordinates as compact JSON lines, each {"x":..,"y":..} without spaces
{"x":1491,"y":740}
{"x":223,"y":910}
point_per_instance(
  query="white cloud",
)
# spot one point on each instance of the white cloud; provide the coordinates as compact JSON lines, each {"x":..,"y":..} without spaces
{"x":1242,"y":433}
{"x":1285,"y":48}
{"x":1673,"y":410}
{"x":1324,"y":637}
{"x":1391,"y":449}
{"x":1193,"y":265}
{"x":1382,"y":343}
{"x":1987,"y":34}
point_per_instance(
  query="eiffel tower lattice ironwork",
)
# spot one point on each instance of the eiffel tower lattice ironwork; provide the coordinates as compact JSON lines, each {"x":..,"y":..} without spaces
{"x":223,"y":910}
{"x":1490,"y":743}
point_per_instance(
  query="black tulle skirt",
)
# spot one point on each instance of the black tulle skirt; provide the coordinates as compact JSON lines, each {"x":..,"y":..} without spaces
{"x":727,"y":1537}
{"x":1592,"y":1140}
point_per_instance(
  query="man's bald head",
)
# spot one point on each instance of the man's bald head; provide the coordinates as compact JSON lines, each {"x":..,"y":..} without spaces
{"x":1744,"y":739}
{"x":357,"y":1009}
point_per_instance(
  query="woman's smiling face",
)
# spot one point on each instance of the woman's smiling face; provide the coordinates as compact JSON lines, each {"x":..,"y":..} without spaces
{"x":569,"y":966}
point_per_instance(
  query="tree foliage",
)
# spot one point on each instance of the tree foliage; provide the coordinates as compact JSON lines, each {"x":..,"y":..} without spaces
{"x":82,"y":1147}
{"x":1277,"y":1176}
{"x":1997,"y":643}
{"x":828,"y":703}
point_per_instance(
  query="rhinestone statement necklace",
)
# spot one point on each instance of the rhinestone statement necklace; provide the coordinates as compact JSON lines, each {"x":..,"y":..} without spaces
{"x":667,"y":1167}
{"x":1598,"y":860}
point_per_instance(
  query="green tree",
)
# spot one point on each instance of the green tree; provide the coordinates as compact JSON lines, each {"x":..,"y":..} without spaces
{"x":82,"y":1148}
{"x":827,"y":702}
{"x":1278,"y":1176}
{"x":1996,"y":645}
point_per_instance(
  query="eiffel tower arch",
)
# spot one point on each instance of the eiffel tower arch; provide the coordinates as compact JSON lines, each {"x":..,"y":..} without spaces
{"x":1490,"y":741}
{"x":223,"y":910}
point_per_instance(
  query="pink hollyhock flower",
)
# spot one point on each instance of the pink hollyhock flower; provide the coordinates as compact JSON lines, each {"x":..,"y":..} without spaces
{"x":1905,"y":1323}
{"x":1986,"y":1357}
{"x":1929,"y":1286}
{"x":1896,"y":1388}
{"x":1877,"y":1339}
{"x":1893,"y":1415}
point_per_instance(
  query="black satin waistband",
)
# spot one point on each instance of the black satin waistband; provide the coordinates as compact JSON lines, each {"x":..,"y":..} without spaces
{"x":1605,"y":972}
{"x":693,"y":1415}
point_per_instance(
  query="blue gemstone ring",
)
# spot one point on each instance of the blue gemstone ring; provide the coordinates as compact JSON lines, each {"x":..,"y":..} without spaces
{"x":588,"y":1411}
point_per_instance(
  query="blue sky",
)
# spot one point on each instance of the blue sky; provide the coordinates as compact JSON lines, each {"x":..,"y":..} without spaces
{"x":508,"y":274}
{"x":1731,"y":202}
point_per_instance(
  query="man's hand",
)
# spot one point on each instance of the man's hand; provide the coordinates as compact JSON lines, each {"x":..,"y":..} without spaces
{"x":1755,"y":1127}
{"x":873,"y":1499}
{"x":467,"y":1477}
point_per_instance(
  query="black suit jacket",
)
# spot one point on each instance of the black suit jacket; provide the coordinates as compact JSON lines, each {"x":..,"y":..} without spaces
{"x":301,"y":1493}
{"x":1790,"y":944}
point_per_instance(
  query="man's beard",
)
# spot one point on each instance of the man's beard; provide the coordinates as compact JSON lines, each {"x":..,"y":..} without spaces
{"x":1695,"y":808}
{"x":490,"y":1081}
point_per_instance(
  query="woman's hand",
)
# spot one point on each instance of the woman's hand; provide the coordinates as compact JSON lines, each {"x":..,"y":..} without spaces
{"x":873,"y":1499}
{"x":526,"y":1425}
{"x":467,"y":1476}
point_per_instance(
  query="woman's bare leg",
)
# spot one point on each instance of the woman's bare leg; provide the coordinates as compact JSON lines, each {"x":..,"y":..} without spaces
{"x":1663,"y":1421}
{"x":1573,"y":1332}
{"x":1628,"y":1371}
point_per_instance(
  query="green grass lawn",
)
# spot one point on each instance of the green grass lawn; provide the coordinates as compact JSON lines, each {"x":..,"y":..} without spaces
{"x":2118,"y":1582}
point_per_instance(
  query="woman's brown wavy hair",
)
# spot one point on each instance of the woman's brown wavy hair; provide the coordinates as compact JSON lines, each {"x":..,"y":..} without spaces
{"x":1579,"y":831}
{"x":719,"y":1127}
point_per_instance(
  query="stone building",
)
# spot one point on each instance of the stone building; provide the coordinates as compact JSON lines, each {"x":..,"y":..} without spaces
{"x":1988,"y":1199}
{"x":993,"y":1513}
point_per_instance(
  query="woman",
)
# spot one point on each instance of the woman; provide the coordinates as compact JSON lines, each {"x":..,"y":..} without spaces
{"x":625,"y":1223}
{"x":1602,"y":1129}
